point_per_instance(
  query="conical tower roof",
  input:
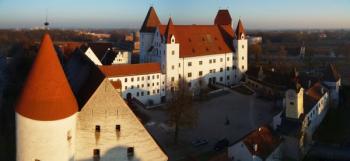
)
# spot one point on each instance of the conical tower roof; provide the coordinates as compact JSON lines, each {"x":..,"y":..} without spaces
{"x":151,"y":21}
{"x":239,"y":30}
{"x":170,"y":30}
{"x":46,"y":94}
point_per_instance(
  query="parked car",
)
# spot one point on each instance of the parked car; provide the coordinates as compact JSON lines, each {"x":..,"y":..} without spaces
{"x":199,"y":142}
{"x":221,"y":144}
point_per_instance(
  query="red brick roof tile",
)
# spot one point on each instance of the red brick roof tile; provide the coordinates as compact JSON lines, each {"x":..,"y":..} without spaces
{"x":46,"y":94}
{"x":223,"y":17}
{"x":200,"y":40}
{"x":130,"y":69}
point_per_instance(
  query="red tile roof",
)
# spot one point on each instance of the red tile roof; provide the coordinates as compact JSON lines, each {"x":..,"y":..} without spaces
{"x":223,"y":17}
{"x":265,"y":141}
{"x":240,"y":30}
{"x":200,"y":40}
{"x":46,"y":94}
{"x":117,"y":84}
{"x":170,"y":30}
{"x":130,"y":69}
{"x":151,"y":21}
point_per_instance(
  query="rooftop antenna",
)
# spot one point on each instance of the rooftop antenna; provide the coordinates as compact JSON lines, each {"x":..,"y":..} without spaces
{"x":46,"y":22}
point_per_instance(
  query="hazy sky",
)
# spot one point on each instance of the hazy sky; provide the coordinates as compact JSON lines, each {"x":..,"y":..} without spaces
{"x":256,"y":14}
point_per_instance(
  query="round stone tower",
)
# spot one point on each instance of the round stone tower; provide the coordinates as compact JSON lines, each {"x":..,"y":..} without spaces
{"x":46,"y":111}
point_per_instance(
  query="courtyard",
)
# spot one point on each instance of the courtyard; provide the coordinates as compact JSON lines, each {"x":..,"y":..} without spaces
{"x":227,"y":114}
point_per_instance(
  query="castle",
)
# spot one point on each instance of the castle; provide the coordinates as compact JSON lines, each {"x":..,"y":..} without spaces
{"x":200,"y":54}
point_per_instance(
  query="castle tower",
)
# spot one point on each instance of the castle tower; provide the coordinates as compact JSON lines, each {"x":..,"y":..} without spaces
{"x":240,"y":43}
{"x":46,"y":111}
{"x":172,"y":50}
{"x":147,"y":33}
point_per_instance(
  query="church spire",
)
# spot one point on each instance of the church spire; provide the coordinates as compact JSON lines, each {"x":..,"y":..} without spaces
{"x":240,"y":31}
{"x":151,"y":21}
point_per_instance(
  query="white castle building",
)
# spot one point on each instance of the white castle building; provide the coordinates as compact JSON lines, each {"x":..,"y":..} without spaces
{"x":200,"y":54}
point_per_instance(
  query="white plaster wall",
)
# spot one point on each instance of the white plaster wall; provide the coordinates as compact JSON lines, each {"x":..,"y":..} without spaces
{"x":172,"y":62}
{"x":317,"y":114}
{"x":45,"y":140}
{"x":107,"y":109}
{"x":218,"y":61}
{"x":140,"y":84}
{"x":334,"y":90}
{"x":239,"y":152}
{"x":123,"y":57}
{"x":241,"y":47}
{"x":91,"y":55}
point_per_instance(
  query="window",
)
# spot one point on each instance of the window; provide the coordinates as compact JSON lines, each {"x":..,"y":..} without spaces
{"x":189,"y":75}
{"x":233,"y":67}
{"x":200,"y":62}
{"x":138,"y":78}
{"x":148,"y":77}
{"x":96,"y":154}
{"x":179,"y":65}
{"x":142,"y":93}
{"x":179,"y":76}
{"x":172,"y":79}
{"x":221,"y":69}
{"x":132,"y":79}
{"x":126,"y":87}
{"x":97,"y":128}
{"x":200,"y":73}
{"x":291,"y":103}
{"x":117,"y":128}
{"x":138,"y":86}
{"x":243,"y":46}
{"x":157,"y":83}
{"x":148,"y":93}
{"x":227,"y":68}
{"x":157,"y":76}
{"x":221,"y":79}
{"x":189,"y":64}
{"x":154,"y":91}
{"x":148,"y":85}
{"x":242,"y":66}
{"x":228,"y":77}
{"x":172,"y":67}
{"x":157,"y":90}
{"x":153,"y":84}
{"x":189,"y":84}
{"x":221,"y":59}
{"x":228,"y":58}
{"x":210,"y":61}
{"x":137,"y":94}
{"x":172,"y":52}
{"x":153,"y":77}
{"x":69,"y":136}
{"x":142,"y":85}
{"x":214,"y":60}
{"x":242,"y":57}
{"x":210,"y":71}
{"x":142,"y":78}
{"x":130,"y":151}
{"x":132,"y":87}
{"x":126,"y":80}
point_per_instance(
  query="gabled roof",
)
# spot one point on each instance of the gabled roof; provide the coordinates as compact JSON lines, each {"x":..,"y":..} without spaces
{"x":239,"y":30}
{"x":100,"y":48}
{"x":46,"y":94}
{"x":312,"y":96}
{"x":223,"y":17}
{"x":262,"y":142}
{"x":331,"y":74}
{"x":84,"y":77}
{"x":118,"y":70}
{"x":151,"y":21}
{"x":201,"y":40}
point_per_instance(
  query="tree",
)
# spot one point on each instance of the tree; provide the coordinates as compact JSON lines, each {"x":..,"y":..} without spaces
{"x":180,"y":108}
{"x":256,"y":49}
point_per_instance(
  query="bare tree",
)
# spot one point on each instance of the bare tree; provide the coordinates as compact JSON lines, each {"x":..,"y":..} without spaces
{"x":180,"y":108}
